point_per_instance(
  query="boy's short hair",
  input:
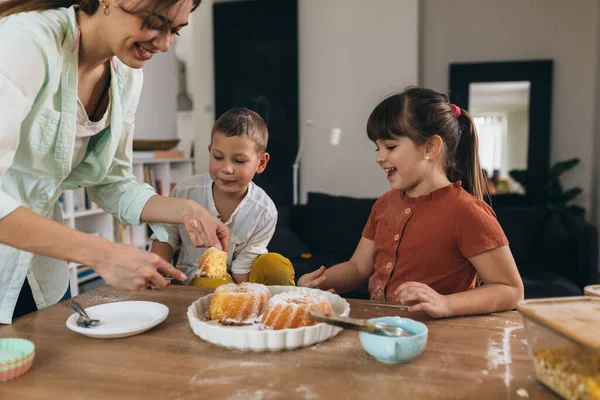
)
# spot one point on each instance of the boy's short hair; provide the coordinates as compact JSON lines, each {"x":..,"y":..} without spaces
{"x":243,"y":122}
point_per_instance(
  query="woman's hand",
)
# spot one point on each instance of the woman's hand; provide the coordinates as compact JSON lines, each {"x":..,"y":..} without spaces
{"x":421,"y":297}
{"x":129,"y":268}
{"x":205,"y":229}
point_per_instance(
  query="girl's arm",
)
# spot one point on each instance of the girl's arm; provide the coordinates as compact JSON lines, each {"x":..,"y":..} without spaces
{"x":123,"y":267}
{"x":502,"y":289}
{"x":347,"y":275}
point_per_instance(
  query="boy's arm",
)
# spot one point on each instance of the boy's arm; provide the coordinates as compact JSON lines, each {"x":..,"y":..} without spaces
{"x":164,"y":250}
{"x":256,"y":246}
{"x":239,"y":278}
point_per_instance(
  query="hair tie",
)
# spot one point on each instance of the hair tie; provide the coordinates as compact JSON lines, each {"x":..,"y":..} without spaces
{"x":455,"y":110}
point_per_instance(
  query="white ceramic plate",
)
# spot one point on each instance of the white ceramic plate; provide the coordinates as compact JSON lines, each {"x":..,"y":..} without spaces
{"x":253,"y":339}
{"x":121,"y":319}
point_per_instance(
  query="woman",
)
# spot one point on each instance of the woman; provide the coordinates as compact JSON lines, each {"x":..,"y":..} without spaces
{"x":70,"y":81}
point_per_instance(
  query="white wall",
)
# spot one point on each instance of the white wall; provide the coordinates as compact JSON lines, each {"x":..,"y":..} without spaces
{"x":351,"y":54}
{"x":517,"y":138}
{"x":155,"y":116}
{"x":475,"y":30}
{"x":201,"y":82}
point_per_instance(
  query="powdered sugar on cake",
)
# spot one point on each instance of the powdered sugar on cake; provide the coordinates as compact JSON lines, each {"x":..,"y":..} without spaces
{"x":296,"y":298}
{"x":239,"y":304}
{"x":290,"y":310}
{"x":249,"y":304}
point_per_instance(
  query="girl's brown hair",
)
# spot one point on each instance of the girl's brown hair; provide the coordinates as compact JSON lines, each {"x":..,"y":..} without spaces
{"x":420,"y":113}
{"x":87,"y":6}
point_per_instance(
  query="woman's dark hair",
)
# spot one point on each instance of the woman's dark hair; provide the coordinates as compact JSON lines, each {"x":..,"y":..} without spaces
{"x":420,"y":113}
{"x":87,"y":6}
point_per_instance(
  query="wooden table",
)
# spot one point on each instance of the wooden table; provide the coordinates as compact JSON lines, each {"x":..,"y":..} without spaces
{"x":482,"y":357}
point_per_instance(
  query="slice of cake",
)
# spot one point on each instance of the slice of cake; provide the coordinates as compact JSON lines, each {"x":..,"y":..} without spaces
{"x":213,"y":264}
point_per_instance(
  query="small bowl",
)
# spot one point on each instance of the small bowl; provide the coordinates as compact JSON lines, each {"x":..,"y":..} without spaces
{"x":16,"y":357}
{"x":395,"y":350}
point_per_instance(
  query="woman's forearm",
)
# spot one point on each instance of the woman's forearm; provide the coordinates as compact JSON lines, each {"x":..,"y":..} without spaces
{"x":485,"y":299}
{"x":168,"y":210}
{"x":205,"y":229}
{"x":25,"y":230}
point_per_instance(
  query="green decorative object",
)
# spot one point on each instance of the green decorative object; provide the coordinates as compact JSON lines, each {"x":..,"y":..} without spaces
{"x":16,"y":357}
{"x":552,"y":193}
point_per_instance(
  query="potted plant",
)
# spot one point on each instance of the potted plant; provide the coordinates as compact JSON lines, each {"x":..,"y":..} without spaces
{"x":552,"y":193}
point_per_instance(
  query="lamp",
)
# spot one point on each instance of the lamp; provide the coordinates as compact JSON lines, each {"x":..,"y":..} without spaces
{"x":334,"y":139}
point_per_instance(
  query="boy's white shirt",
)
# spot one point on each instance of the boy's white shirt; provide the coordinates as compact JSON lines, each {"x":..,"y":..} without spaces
{"x":252,"y":226}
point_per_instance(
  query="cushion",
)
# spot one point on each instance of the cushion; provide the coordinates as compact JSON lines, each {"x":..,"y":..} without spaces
{"x":560,"y":244}
{"x":539,"y":283}
{"x":334,"y":224}
{"x":286,"y":243}
{"x":524,"y":228}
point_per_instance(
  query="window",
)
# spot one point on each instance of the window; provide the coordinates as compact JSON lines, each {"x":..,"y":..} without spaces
{"x":491,"y":130}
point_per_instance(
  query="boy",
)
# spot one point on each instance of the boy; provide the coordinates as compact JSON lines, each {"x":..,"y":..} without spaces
{"x":237,"y":152}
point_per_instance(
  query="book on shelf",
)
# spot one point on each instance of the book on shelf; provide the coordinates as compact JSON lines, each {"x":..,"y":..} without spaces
{"x":151,"y":179}
{"x":81,"y":201}
{"x":133,"y":235}
{"x":157,"y":155}
{"x":85,"y":274}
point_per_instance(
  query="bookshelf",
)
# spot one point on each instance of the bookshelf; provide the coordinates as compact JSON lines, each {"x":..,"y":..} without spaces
{"x":82,"y":214}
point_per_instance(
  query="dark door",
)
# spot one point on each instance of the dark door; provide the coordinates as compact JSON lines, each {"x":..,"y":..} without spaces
{"x":256,"y":66}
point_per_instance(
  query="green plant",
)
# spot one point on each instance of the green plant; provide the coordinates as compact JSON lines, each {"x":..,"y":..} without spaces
{"x":552,"y":194}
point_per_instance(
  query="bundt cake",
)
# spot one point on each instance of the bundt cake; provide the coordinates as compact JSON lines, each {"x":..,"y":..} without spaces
{"x":213,"y":264}
{"x":241,"y":304}
{"x":290,"y":310}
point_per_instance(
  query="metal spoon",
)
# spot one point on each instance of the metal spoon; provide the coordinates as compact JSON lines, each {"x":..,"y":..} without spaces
{"x":360,"y":325}
{"x":84,"y":319}
{"x":89,"y":321}
{"x":86,"y":323}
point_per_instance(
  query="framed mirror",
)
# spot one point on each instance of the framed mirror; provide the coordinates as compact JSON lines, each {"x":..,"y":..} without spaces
{"x":511,"y":104}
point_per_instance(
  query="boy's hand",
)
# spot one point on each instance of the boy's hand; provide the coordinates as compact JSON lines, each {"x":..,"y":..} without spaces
{"x":313,"y":279}
{"x":420,"y":297}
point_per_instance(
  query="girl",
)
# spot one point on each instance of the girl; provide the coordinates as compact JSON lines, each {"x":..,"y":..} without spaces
{"x":69,"y":87}
{"x":430,"y":237}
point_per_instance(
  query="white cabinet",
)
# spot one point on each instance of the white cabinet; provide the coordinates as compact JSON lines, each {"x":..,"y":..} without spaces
{"x":79,"y":213}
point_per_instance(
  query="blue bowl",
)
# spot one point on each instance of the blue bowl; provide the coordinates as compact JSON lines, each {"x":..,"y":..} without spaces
{"x":394,"y":350}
